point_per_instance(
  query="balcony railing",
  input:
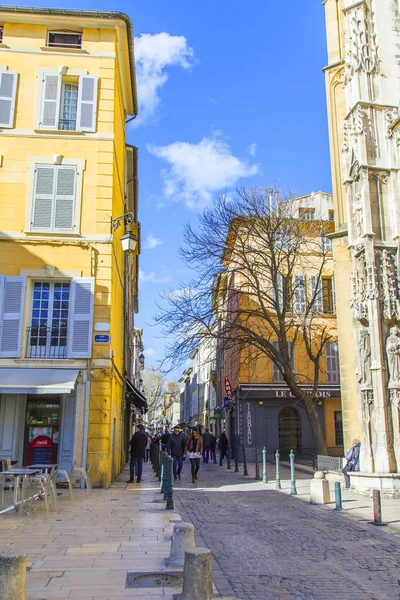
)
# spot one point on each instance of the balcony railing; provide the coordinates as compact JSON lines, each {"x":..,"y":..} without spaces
{"x":67,"y":125}
{"x":46,"y":342}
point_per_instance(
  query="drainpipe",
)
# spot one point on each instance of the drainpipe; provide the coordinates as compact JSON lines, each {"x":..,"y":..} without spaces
{"x":86,"y":424}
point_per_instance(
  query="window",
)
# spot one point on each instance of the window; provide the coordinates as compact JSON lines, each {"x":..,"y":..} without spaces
{"x":59,"y":39}
{"x":284,"y":284}
{"x":331,"y":214}
{"x":8,"y":88}
{"x":323,"y":293}
{"x":338,"y":428}
{"x":48,"y":331}
{"x":326,"y":244}
{"x":306,"y":214}
{"x":277,"y":376}
{"x":332,"y":363}
{"x":69,"y":105}
{"x":1,"y":35}
{"x":283,"y":239}
{"x":299,"y":294}
{"x":54,"y":198}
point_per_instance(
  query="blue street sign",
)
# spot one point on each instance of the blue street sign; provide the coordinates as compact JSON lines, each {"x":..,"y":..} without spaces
{"x":102,"y":339}
{"x":226,"y":403}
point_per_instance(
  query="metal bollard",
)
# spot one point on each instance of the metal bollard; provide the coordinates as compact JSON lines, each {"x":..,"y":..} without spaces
{"x":170,"y":491}
{"x":159,"y":466}
{"x":163,"y":486}
{"x":257,"y":476}
{"x":278,"y":471}
{"x":376,"y":499}
{"x":220,"y":459}
{"x":245,"y":471}
{"x":264,"y":453}
{"x":293,"y":490}
{"x":237,"y":460}
{"x":215,"y":456}
{"x":228,"y":462}
{"x":338,"y":496}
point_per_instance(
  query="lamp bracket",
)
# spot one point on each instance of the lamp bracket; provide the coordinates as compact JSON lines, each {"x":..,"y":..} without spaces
{"x":128,"y":218}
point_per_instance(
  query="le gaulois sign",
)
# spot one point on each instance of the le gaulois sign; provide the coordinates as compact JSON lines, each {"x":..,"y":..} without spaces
{"x":228,"y":388}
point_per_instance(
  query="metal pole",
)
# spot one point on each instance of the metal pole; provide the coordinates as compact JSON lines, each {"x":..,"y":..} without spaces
{"x":264,"y":453}
{"x":220,"y":457}
{"x":293,"y":490}
{"x":237,"y":460}
{"x":245,"y":471}
{"x":338,"y":496}
{"x":166,"y":478}
{"x":228,"y":466}
{"x":159,"y":466}
{"x":170,"y":493}
{"x":376,"y":498}
{"x":257,"y":477}
{"x":278,"y":471}
{"x":162,"y":475}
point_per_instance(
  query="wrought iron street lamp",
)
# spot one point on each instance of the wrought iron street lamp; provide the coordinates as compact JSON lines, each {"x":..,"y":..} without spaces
{"x":129,"y":239}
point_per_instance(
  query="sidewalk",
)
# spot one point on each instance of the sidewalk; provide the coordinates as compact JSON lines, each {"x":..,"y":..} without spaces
{"x":86,"y":549}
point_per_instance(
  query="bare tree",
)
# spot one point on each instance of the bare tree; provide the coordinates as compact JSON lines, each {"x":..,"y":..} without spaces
{"x":258,"y":277}
{"x":152,"y":387}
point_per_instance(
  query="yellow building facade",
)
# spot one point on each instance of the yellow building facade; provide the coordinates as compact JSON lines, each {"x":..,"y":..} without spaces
{"x":67,"y":289}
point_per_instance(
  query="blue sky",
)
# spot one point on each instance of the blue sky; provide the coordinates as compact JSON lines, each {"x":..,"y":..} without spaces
{"x":231,"y":93}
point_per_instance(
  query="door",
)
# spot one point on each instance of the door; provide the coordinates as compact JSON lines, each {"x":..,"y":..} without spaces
{"x":67,"y":432}
{"x":289,"y":424}
{"x":12,"y":412}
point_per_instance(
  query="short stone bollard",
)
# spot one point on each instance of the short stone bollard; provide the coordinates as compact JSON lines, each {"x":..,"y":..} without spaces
{"x":182,"y":540}
{"x":197,"y":576}
{"x":319,"y":489}
{"x":12,"y":577}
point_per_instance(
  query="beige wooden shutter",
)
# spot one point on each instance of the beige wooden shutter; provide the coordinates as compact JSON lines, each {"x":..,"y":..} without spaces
{"x":8,"y":88}
{"x":43,"y":200}
{"x":87,"y":103}
{"x":65,"y":198}
{"x":11,"y":316}
{"x":51,"y":96}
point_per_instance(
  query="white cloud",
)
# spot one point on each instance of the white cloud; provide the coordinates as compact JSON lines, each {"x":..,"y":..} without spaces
{"x":183,"y":293}
{"x":152,"y":277}
{"x":252,"y":149}
{"x":197,"y":171}
{"x":149,"y":352}
{"x":151,"y":242}
{"x":154,"y":53}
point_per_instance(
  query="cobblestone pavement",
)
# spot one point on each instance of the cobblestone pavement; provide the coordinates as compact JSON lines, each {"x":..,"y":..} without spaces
{"x":269,"y":545}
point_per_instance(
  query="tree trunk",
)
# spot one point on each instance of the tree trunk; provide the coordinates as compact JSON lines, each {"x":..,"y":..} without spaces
{"x":316,"y":428}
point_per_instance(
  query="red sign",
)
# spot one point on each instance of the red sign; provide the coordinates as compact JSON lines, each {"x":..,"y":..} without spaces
{"x":41,"y":450}
{"x":228,"y":388}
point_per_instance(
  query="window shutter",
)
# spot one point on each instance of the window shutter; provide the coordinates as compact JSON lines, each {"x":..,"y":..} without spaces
{"x":65,"y":198}
{"x":8,"y":88}
{"x":11,"y":316}
{"x":277,"y":302}
{"x":80,"y":324}
{"x":332,"y":363}
{"x":299,"y":294}
{"x":87,"y":103}
{"x":51,"y":94}
{"x":42,"y":214}
{"x":333,"y":296}
{"x":317,"y":291}
{"x":326,"y":244}
{"x":277,"y":376}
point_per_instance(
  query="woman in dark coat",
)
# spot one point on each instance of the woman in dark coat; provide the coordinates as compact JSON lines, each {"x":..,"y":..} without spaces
{"x":223,"y":446}
{"x":194,"y":451}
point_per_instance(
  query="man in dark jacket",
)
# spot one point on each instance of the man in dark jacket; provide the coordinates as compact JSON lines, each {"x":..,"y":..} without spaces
{"x":138,"y":452}
{"x":208,"y":440}
{"x":176,"y":447}
{"x":164,"y":439}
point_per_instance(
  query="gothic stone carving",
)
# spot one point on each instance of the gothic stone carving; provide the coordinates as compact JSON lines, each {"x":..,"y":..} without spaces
{"x":364,"y":358}
{"x":394,"y":397}
{"x":362,"y":49}
{"x":389,"y":285}
{"x":393,"y":356}
{"x":358,"y":289}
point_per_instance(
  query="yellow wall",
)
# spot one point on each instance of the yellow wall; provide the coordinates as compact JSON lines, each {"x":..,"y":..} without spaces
{"x":103,"y":197}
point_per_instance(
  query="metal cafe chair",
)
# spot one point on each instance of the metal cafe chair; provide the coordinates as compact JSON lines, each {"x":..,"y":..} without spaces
{"x":81,"y":474}
{"x":65,"y":478}
{"x":46,"y":489}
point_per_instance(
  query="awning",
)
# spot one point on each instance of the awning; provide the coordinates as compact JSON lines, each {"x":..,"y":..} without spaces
{"x":37,"y":381}
{"x":135,"y":397}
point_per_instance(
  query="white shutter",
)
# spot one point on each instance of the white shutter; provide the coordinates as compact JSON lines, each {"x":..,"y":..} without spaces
{"x":333,"y":296}
{"x":11,"y":317}
{"x":317,"y":304}
{"x":65,"y":198}
{"x":43,"y":201}
{"x":8,"y":88}
{"x":299,"y":300}
{"x":326,"y":244}
{"x":51,"y":96}
{"x":80,"y":322}
{"x":87,"y":103}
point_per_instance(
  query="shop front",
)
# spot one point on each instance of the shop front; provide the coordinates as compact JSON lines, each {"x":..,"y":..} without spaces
{"x":37,"y":416}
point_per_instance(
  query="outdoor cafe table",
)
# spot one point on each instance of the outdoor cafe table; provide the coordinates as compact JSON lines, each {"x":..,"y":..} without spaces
{"x":43,"y":467}
{"x":19,"y":475}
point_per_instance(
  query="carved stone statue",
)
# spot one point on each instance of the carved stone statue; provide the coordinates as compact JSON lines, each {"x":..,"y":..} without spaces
{"x":393,"y":356}
{"x":358,"y":215}
{"x":364,"y":352}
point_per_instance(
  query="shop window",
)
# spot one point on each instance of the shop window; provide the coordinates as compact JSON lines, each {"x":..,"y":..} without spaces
{"x":62,"y":39}
{"x":338,"y":428}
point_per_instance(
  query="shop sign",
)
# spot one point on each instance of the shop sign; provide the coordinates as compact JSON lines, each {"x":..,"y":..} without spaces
{"x":228,"y":388}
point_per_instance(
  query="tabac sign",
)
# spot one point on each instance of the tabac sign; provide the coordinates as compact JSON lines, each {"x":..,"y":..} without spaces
{"x":228,"y":388}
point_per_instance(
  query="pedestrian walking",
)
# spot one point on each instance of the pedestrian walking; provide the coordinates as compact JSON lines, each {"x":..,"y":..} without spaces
{"x":164,"y":439}
{"x":352,"y":461}
{"x":194,"y":450}
{"x":149,"y":441}
{"x":223,"y":445}
{"x":208,"y":439}
{"x":177,"y":448}
{"x":213,"y":449}
{"x":138,"y":445}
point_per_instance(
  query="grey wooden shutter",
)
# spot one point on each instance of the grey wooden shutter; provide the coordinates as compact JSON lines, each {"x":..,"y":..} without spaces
{"x":299,"y":304}
{"x":64,"y":203}
{"x":316,"y":289}
{"x":81,"y":318}
{"x":43,"y":200}
{"x":277,"y":302}
{"x":11,"y":316}
{"x":332,"y":362}
{"x":333,"y":296}
{"x":8,"y":88}
{"x":87,"y":103}
{"x":277,"y":376}
{"x":51,"y":97}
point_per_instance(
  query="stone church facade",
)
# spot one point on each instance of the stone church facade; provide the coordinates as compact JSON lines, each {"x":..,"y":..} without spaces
{"x":363,"y":93}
